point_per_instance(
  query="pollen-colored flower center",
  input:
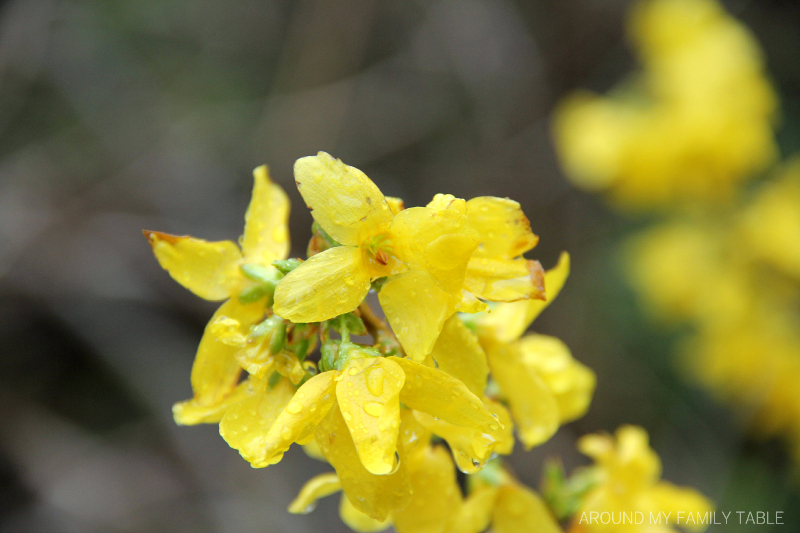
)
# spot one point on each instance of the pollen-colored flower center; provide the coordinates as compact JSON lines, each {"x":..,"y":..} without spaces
{"x":380,"y":253}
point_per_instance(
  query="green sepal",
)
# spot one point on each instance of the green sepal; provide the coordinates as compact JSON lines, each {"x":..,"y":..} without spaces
{"x":378,"y":284}
{"x":278,"y":339}
{"x":328,"y":353}
{"x":349,"y":351}
{"x":260,"y":273}
{"x":255,"y":293}
{"x":264,"y":328}
{"x":301,"y":349}
{"x":354,"y":325}
{"x":286,"y":265}
{"x":564,"y":495}
{"x":274,"y":378}
{"x":320,"y":240}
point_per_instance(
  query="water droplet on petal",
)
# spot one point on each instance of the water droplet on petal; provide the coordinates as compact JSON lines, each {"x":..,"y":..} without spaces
{"x":294,"y":407}
{"x":347,"y":416}
{"x":375,"y":380}
{"x":353,"y":371}
{"x":373,"y":408}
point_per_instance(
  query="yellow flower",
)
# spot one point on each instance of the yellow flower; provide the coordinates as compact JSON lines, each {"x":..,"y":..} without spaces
{"x":628,"y":476}
{"x":458,"y":353}
{"x":683,"y":271}
{"x":693,"y":125}
{"x":431,"y":500}
{"x":497,"y":271}
{"x":424,"y":253}
{"x":421,"y":495}
{"x":543,"y":384}
{"x":770,"y":225}
{"x":219,"y":271}
{"x":498,"y":499}
{"x":755,"y":365}
{"x":367,"y":393}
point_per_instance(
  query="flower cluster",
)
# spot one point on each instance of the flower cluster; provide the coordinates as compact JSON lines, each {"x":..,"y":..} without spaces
{"x":741,"y":295}
{"x":372,"y":410}
{"x":689,"y":132}
{"x":692,"y":125}
{"x":625,"y":480}
{"x":441,"y":386}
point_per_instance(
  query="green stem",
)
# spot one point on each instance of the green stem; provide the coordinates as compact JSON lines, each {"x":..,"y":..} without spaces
{"x":343,"y":329}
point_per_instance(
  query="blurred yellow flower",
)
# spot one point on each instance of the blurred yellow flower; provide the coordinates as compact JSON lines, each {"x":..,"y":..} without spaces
{"x":770,"y":224}
{"x":497,"y":499}
{"x":693,"y":125}
{"x":733,"y":278}
{"x":627,"y":473}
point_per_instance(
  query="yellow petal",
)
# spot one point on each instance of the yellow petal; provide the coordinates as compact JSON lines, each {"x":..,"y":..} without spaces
{"x":470,"y":304}
{"x":504,"y":230}
{"x":395,"y":204}
{"x":246,"y":424}
{"x":571,"y":383}
{"x":436,"y":496}
{"x":190,"y":412}
{"x":312,"y":450}
{"x":532,"y":404}
{"x":287,"y":364}
{"x":439,"y":243}
{"x":505,"y":280}
{"x":376,"y":496}
{"x":298,"y":420}
{"x":448,"y":201}
{"x":476,"y":512}
{"x":329,"y":284}
{"x":208,"y":269}
{"x":471,"y":446}
{"x":627,"y":457}
{"x":315,"y":488}
{"x":344,"y":201}
{"x":508,"y":321}
{"x":505,"y":435}
{"x":518,"y":509}
{"x":439,"y":394}
{"x":666,"y":497}
{"x":458,"y":353}
{"x":413,"y":435}
{"x":266,"y":235}
{"x":215,"y":372}
{"x":369,"y":398}
{"x":230,"y":331}
{"x":257,"y":360}
{"x":358,"y":521}
{"x":416,"y":308}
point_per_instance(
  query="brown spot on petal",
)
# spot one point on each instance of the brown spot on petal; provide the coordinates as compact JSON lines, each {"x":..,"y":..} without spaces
{"x":536,"y":273}
{"x":154,"y":237}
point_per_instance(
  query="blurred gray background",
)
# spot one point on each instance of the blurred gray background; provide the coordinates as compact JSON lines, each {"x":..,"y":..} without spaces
{"x":120,"y":115}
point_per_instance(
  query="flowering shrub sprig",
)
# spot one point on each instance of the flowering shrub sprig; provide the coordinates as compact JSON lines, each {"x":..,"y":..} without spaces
{"x":440,"y":386}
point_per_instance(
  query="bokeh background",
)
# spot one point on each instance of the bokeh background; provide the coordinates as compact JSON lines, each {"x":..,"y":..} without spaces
{"x":128,"y":114}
